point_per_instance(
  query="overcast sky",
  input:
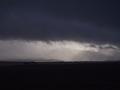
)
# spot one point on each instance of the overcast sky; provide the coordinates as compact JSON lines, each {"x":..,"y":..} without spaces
{"x":60,"y":19}
{"x":74,"y":20}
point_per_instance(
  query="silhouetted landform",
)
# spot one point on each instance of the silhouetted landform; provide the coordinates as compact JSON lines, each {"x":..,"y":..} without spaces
{"x":52,"y":62}
{"x":83,"y":75}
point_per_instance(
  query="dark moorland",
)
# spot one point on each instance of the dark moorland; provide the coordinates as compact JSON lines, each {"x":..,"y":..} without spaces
{"x":85,"y":75}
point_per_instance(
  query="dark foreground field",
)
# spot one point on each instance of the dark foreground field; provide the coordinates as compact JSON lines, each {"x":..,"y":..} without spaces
{"x":83,"y":75}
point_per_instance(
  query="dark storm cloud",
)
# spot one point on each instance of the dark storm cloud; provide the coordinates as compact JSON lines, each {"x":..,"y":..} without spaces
{"x":61,"y":22}
{"x":50,"y":19}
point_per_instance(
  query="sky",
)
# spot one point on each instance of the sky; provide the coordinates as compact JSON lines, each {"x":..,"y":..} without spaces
{"x":12,"y":50}
{"x":93,"y":22}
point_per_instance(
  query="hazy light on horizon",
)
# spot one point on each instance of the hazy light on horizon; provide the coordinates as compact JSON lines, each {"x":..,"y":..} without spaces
{"x":57,"y":50}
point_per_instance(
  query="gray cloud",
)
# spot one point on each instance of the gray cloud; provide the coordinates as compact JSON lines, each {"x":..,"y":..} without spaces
{"x":57,"y":50}
{"x":44,"y":26}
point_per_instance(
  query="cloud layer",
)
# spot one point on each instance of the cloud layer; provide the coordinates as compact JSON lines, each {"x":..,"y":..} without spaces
{"x":57,"y":50}
{"x":28,"y":25}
